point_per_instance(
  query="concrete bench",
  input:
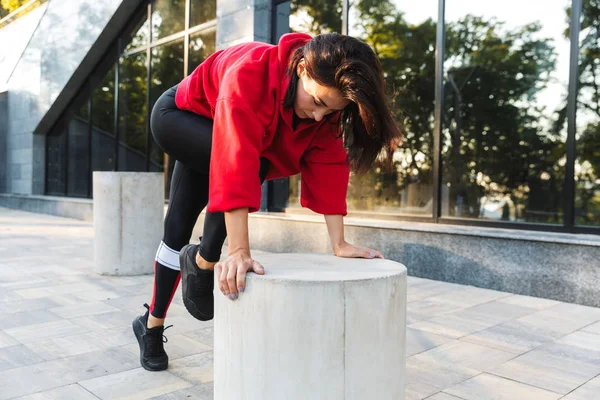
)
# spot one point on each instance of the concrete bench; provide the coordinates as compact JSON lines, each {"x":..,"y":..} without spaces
{"x":128,"y":221}
{"x":313,"y":327}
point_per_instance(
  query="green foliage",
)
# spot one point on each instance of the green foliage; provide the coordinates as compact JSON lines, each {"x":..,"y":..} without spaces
{"x":8,"y":6}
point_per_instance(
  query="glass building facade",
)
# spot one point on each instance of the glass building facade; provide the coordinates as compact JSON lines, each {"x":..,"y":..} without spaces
{"x":107,"y":127}
{"x":500,"y":104}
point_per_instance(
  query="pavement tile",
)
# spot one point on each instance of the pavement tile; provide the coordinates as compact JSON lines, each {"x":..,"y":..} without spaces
{"x":593,"y":328}
{"x":134,"y":384}
{"x":17,"y":356}
{"x":83,"y":309}
{"x":6,"y":340}
{"x":197,"y":368}
{"x":34,"y":332}
{"x":443,"y":396}
{"x":199,"y":392}
{"x":52,"y":374}
{"x":418,"y":341}
{"x":554,"y":367}
{"x":25,"y":318}
{"x":513,"y":336}
{"x":425,"y":378}
{"x":529,"y":302}
{"x":468,"y":355}
{"x":490,"y":387}
{"x":14,"y":307}
{"x":204,"y":335}
{"x":69,"y":392}
{"x":588,"y":391}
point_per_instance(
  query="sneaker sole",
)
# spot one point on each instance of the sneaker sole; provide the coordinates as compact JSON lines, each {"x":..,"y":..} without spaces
{"x":189,"y":305}
{"x":137,"y":330}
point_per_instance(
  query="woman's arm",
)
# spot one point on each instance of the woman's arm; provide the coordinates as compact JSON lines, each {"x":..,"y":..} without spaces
{"x":236,"y":222}
{"x":341,"y":248}
{"x":335,"y":228}
{"x":231,"y":273}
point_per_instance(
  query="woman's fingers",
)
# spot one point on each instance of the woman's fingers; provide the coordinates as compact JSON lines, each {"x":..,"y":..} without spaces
{"x":222,"y":276}
{"x":232,"y":275}
{"x":257,"y":268}
{"x":232,"y":281}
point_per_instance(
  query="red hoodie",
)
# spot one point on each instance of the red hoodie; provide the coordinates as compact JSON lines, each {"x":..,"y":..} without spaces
{"x":242,"y":89}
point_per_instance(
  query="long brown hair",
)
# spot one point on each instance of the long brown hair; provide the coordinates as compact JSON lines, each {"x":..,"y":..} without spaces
{"x":350,"y":65}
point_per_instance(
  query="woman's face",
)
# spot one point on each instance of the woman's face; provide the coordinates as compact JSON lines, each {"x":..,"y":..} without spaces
{"x":314,"y":101}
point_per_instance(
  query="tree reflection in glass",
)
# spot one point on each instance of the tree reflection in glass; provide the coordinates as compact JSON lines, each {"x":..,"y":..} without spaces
{"x":168,"y":17}
{"x":133,"y":86}
{"x":505,"y":96}
{"x":587,"y":167}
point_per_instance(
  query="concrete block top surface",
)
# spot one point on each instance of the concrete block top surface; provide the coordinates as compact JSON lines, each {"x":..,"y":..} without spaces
{"x":311,"y":267}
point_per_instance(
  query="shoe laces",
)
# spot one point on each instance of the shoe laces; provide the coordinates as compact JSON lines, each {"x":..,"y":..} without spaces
{"x":155,"y":340}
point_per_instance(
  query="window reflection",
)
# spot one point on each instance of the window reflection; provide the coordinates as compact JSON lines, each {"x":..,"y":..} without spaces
{"x":140,"y":37}
{"x":202,"y":45}
{"x":133,"y":86}
{"x":504,"y":127}
{"x":168,"y":17}
{"x":78,"y":171}
{"x":103,"y":121}
{"x":587,"y":167}
{"x":56,"y":163}
{"x":202,"y":11}
{"x":315,"y":16}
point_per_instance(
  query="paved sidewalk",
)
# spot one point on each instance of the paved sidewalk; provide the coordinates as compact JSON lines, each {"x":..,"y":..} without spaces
{"x":66,"y":332}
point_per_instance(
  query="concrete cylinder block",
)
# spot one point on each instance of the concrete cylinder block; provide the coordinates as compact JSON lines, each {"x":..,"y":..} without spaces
{"x":313,"y":327}
{"x":128,"y":221}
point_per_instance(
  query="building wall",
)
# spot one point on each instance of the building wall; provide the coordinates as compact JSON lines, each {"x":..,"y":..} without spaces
{"x":65,"y":34}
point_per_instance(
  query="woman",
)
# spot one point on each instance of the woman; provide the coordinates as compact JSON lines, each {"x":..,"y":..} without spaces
{"x":255,"y":111}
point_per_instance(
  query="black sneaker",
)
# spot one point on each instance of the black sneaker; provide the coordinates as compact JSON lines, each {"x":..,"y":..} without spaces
{"x":152,"y":352}
{"x":196,"y":285}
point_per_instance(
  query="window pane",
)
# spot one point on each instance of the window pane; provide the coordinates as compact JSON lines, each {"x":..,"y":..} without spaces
{"x":168,"y":17}
{"x":167,"y":71}
{"x":504,"y":126}
{"x":403,"y":36}
{"x":316,"y":16}
{"x":103,"y":121}
{"x":140,"y":38}
{"x":587,"y":167}
{"x":202,"y":11}
{"x":56,"y":163}
{"x":202,"y":45}
{"x":133,"y":89}
{"x":78,"y":177}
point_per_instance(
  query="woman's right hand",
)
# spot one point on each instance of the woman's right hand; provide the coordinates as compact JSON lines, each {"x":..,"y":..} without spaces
{"x":232,"y":273}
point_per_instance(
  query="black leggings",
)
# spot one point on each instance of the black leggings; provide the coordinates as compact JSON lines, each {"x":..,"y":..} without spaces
{"x":187,"y":137}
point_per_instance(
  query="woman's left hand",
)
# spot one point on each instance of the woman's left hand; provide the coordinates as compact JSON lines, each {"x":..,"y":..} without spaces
{"x":350,"y":251}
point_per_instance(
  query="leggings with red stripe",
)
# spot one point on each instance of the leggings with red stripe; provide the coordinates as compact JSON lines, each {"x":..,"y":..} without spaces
{"x":187,"y":137}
